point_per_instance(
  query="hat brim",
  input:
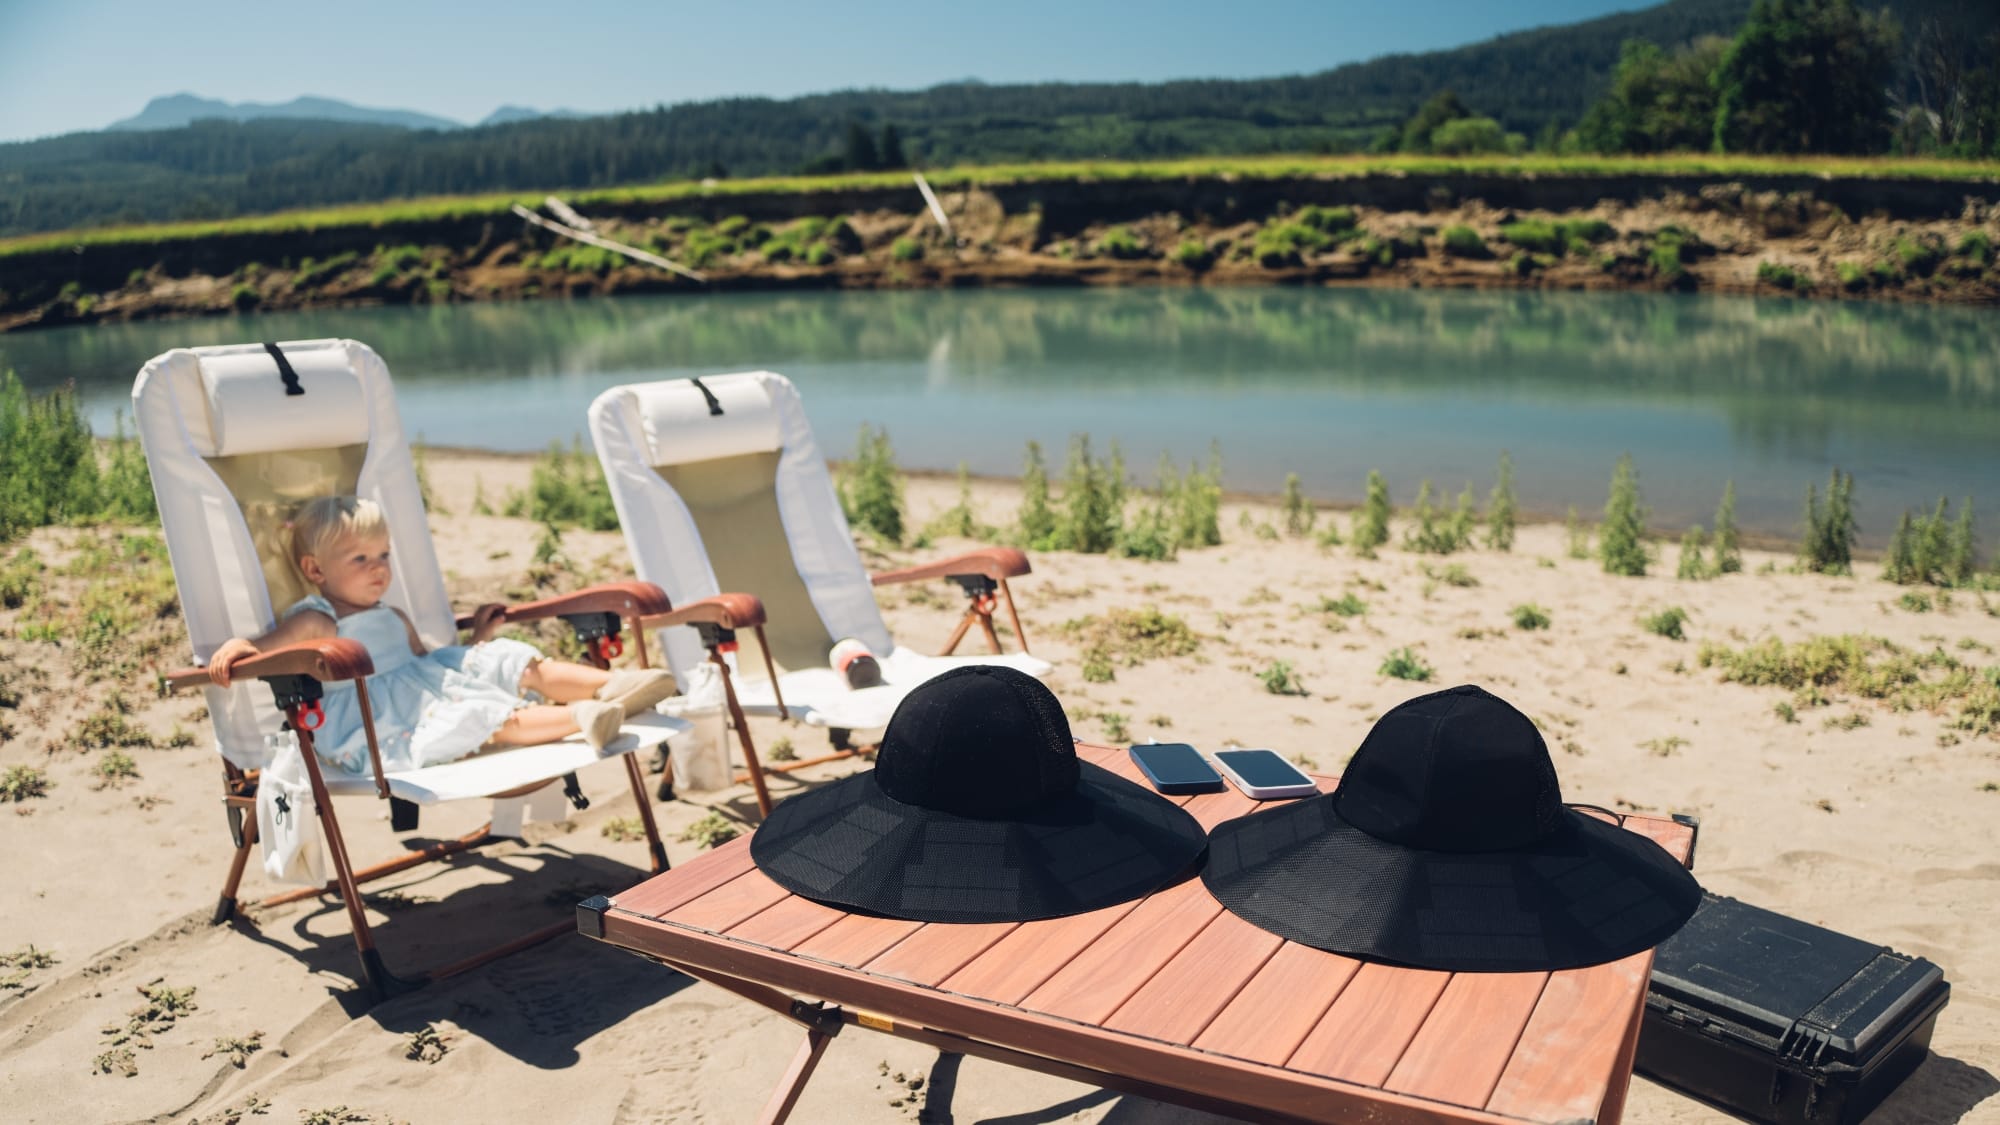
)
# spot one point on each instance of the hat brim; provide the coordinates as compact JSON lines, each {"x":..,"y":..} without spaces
{"x":851,"y":845}
{"x":1587,"y":894}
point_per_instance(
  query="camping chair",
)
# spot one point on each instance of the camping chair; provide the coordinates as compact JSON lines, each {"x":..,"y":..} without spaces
{"x":719,"y":480}
{"x":236,"y":438}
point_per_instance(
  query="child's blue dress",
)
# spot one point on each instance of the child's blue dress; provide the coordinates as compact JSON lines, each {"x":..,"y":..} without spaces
{"x":428,"y":709}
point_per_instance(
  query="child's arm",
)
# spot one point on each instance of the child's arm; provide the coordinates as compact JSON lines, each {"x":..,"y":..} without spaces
{"x":305,"y":625}
{"x":416,"y":643}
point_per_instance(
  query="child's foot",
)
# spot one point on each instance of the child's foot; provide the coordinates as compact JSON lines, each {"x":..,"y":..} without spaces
{"x":598,"y":721}
{"x":638,"y":690}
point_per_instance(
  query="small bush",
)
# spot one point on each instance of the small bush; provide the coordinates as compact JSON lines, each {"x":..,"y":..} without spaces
{"x":566,"y":488}
{"x":1934,"y":548}
{"x":959,"y":519}
{"x":1920,"y":255}
{"x":1530,"y":616}
{"x":1347,"y":605}
{"x":1279,"y":679}
{"x":1453,"y":575}
{"x":906,"y":250}
{"x":1371,"y":523}
{"x":1299,"y":511}
{"x":1782,"y":277}
{"x":21,"y":783}
{"x":1334,"y":221}
{"x":1576,"y":536}
{"x":1500,"y":508}
{"x":1286,"y":244}
{"x":115,"y":769}
{"x":1915,"y":601}
{"x":1692,"y":565}
{"x":1194,"y":254}
{"x":1666,"y":623}
{"x":1621,"y":540}
{"x":1035,"y":523}
{"x":1117,"y":727}
{"x":1131,"y":637}
{"x":1828,"y":547}
{"x":871,"y":487}
{"x":1120,"y":242}
{"x":1464,"y":242}
{"x":1405,"y":664}
{"x":711,"y":830}
{"x":1093,"y":512}
{"x":1976,"y":247}
{"x":1728,"y":554}
{"x":1852,"y":275}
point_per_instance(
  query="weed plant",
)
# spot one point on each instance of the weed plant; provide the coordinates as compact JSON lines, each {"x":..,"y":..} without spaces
{"x":566,"y":488}
{"x":1092,"y":501}
{"x":1666,"y":623}
{"x":1576,"y":535}
{"x":1500,"y":508}
{"x":1454,"y":574}
{"x":1299,"y":511}
{"x":22,"y":783}
{"x":1530,"y":616}
{"x":1280,"y":679}
{"x":1117,"y":727}
{"x":1934,"y":549}
{"x":51,"y":471}
{"x":959,"y":519}
{"x":871,"y":488}
{"x":1828,"y":547}
{"x":1129,"y":637}
{"x":1035,"y":522}
{"x":1405,"y":664}
{"x":1728,"y":552}
{"x":1820,"y":668}
{"x":1371,"y":523}
{"x":1693,"y":564}
{"x":1346,"y":605}
{"x":711,"y":830}
{"x":1464,"y":242}
{"x":623,"y":829}
{"x":1621,"y":540}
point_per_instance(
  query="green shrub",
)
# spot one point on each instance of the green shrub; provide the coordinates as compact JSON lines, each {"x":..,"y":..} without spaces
{"x":1286,"y":244}
{"x":1665,"y":257}
{"x":1334,"y":221}
{"x":959,"y":519}
{"x":1692,"y":564}
{"x":871,"y":488}
{"x":1036,"y":523}
{"x":1467,"y":135}
{"x":819,"y":254}
{"x":1405,"y":664}
{"x":906,"y":250}
{"x":1093,"y":500}
{"x":1621,"y":540}
{"x":1728,"y":555}
{"x":1976,"y":247}
{"x":1371,"y":524}
{"x":1667,"y":623}
{"x":1120,"y":242}
{"x":1194,"y":500}
{"x":1299,"y":511}
{"x":1500,"y":508}
{"x":1347,"y":605}
{"x":1194,"y":254}
{"x":1885,"y":273}
{"x":1129,"y":637}
{"x":1279,"y":679}
{"x":566,"y":488}
{"x":1829,"y":542}
{"x":1453,"y":575}
{"x":1920,"y":255}
{"x":1782,"y":277}
{"x":1915,"y":601}
{"x":711,"y":830}
{"x":1934,"y":548}
{"x":22,"y":783}
{"x":1851,"y":275}
{"x":1530,"y":617}
{"x":48,"y":462}
{"x":733,"y":226}
{"x":1576,"y":535}
{"x":1536,"y":235}
{"x":1464,"y":242}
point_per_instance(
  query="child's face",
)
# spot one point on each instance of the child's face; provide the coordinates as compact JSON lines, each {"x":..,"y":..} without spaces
{"x":354,"y":570}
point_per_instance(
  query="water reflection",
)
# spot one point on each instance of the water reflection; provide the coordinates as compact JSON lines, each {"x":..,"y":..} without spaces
{"x":1327,"y":383}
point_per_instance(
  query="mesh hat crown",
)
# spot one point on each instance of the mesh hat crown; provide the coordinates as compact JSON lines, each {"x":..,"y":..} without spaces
{"x":980,"y":741}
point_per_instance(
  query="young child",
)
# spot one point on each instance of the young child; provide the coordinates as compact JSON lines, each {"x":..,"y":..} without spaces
{"x":429,"y":707}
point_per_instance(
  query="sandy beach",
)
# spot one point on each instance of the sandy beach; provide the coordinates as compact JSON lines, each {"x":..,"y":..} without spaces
{"x":1873,"y":821}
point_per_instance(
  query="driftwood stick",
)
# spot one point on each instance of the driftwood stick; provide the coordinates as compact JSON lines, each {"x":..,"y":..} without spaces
{"x":937,"y":209}
{"x":568,"y":214}
{"x":607,"y":244}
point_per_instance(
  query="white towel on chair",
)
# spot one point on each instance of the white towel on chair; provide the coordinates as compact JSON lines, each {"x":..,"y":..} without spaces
{"x":287,"y":819}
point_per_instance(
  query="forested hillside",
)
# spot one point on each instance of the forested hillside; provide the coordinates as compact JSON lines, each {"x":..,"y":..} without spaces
{"x":1535,"y":84}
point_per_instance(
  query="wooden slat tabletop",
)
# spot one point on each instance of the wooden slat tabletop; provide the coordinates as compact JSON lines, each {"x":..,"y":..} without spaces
{"x":1176,"y":991}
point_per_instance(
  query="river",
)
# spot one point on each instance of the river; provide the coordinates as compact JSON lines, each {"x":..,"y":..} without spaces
{"x":1327,"y":383}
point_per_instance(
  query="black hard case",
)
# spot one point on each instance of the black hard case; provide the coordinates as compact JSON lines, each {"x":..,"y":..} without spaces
{"x":1776,"y":1020}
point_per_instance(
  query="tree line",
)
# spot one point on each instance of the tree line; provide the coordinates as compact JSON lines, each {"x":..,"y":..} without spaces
{"x":1776,"y":75}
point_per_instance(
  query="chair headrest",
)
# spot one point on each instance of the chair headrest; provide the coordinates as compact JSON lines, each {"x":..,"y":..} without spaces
{"x":681,"y":425}
{"x":250,"y":408}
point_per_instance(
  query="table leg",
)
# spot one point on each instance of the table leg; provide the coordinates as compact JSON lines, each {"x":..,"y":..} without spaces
{"x":794,"y":1082}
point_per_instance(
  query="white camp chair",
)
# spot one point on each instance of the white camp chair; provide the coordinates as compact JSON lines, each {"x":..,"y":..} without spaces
{"x":720,"y":478}
{"x":236,"y":437}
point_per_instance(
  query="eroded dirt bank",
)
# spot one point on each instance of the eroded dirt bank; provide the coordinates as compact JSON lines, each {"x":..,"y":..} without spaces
{"x":1715,"y":237}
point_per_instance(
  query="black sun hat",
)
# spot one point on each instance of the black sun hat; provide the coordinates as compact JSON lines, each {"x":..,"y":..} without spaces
{"x":1447,"y":846}
{"x":977,"y":810}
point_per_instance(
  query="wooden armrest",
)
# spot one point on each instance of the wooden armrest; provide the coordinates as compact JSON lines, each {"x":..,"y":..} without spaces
{"x":626,"y":599}
{"x":731,"y":611}
{"x":328,"y":660}
{"x":997,"y":563}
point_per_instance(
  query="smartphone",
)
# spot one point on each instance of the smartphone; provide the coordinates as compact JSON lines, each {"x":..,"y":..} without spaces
{"x":1264,"y":775}
{"x":1175,"y":767}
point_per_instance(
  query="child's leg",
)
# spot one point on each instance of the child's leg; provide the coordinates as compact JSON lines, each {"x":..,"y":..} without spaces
{"x":563,"y":682}
{"x":531,"y":726}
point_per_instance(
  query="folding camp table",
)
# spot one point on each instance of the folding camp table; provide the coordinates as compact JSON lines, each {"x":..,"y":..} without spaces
{"x":1171,"y":997}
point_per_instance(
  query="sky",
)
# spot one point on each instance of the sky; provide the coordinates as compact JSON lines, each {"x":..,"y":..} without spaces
{"x":69,"y":65}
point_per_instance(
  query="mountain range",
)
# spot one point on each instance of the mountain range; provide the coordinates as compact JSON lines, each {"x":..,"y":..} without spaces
{"x":175,"y":111}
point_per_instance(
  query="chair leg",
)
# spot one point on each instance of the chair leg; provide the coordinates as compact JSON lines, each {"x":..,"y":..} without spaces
{"x":958,"y":634}
{"x":639,"y":795}
{"x":380,"y":981}
{"x":793,"y":1083}
{"x":225,"y":906}
{"x":743,"y":734}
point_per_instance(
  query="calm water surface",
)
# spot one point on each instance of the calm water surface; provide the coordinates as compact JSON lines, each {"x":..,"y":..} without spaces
{"x":1324,"y":383}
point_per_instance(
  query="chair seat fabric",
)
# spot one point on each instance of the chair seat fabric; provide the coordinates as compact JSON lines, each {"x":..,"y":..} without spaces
{"x":821,"y":697}
{"x":486,"y":774}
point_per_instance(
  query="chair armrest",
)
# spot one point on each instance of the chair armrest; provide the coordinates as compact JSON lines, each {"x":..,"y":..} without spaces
{"x":730,"y":611}
{"x":997,"y":563}
{"x":328,"y":660}
{"x":626,"y":599}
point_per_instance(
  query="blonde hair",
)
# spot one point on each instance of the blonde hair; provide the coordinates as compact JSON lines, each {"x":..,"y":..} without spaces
{"x":325,"y":523}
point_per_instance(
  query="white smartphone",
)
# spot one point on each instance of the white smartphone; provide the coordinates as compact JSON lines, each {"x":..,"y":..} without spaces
{"x":1263,"y":774}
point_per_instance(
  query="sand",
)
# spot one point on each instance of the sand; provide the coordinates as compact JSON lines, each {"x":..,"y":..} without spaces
{"x":1872,"y":826}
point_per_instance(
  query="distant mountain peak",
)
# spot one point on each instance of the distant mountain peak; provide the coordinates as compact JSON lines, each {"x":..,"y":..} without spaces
{"x":508,"y":114}
{"x":173,"y":111}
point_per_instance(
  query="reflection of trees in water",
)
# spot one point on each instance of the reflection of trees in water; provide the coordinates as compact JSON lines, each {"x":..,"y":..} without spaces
{"x":1774,"y":365}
